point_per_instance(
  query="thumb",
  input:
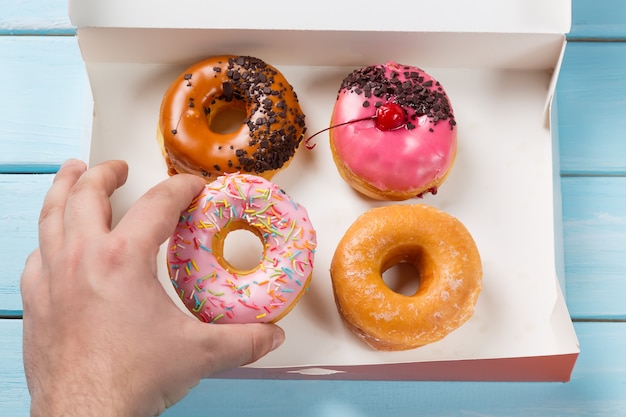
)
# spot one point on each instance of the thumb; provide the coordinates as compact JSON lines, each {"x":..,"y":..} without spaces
{"x":229,"y":346}
{"x":31,"y":278}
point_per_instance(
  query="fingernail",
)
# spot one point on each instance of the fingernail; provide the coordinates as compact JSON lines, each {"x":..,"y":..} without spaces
{"x":70,"y":162}
{"x":278,"y":338}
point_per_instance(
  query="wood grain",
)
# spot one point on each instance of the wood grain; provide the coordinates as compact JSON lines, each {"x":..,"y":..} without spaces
{"x":40,"y":17}
{"x":50,"y":107}
{"x":591,"y":91}
{"x":598,"y":20}
{"x":594,"y":224}
{"x":22,"y":196}
{"x":14,"y":398}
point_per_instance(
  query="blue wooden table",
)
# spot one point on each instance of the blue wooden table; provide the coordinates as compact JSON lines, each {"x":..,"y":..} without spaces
{"x":44,"y":110}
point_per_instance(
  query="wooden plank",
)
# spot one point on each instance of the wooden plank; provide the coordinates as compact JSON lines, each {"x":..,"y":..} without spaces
{"x":22,"y":196}
{"x":14,"y":398}
{"x":590,"y":93}
{"x":594,"y":225}
{"x":41,"y":17}
{"x":598,"y":19}
{"x":47,"y":106}
{"x":596,"y":389}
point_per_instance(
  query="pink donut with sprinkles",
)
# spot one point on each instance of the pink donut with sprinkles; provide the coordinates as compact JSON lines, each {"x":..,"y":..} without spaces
{"x":214,"y":290}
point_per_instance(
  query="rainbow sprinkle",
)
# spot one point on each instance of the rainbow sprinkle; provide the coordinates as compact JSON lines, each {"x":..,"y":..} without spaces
{"x":207,"y":286}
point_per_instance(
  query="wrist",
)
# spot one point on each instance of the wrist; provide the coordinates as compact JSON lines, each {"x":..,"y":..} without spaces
{"x":61,"y":404}
{"x":72,"y":398}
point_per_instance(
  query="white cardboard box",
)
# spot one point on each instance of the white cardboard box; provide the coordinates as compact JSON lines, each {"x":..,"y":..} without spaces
{"x":498,"y":61}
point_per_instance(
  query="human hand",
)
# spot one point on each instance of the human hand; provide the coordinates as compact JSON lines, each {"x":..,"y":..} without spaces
{"x":101,"y":336}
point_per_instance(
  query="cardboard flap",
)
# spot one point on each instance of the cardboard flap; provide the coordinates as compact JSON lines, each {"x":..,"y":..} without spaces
{"x":490,"y":16}
{"x":323,"y":48}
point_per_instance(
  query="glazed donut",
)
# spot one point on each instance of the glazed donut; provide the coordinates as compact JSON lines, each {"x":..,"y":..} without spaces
{"x":214,"y":290}
{"x":442,"y":251}
{"x":263,"y":144}
{"x":393,"y":134}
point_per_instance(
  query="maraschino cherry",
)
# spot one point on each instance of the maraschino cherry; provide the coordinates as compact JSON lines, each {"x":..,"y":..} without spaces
{"x":388,"y":116}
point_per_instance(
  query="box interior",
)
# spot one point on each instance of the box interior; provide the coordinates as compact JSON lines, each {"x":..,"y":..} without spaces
{"x":501,"y":186}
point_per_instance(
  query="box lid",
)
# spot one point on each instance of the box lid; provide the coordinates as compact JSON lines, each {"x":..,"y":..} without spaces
{"x":491,"y":16}
{"x":518,"y":34}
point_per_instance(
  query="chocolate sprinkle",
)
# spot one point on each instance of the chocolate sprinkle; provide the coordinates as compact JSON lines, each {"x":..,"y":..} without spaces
{"x":188,"y":79}
{"x":276,"y":127}
{"x":414,"y":93}
{"x":275,"y":141}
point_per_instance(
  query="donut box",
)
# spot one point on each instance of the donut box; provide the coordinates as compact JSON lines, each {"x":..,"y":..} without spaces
{"x":499,"y":63}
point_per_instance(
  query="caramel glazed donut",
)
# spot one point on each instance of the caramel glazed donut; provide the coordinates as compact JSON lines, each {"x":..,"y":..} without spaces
{"x":271,"y":132}
{"x":442,"y":251}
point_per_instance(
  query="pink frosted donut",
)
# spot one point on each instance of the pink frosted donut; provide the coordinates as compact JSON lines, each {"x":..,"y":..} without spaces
{"x":214,"y":290}
{"x":393,"y":134}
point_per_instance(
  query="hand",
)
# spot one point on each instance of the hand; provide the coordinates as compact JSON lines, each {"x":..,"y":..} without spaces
{"x":101,"y":336}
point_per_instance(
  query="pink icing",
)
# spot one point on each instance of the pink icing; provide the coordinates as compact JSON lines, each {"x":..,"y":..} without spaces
{"x":402,"y":159}
{"x":207,"y":285}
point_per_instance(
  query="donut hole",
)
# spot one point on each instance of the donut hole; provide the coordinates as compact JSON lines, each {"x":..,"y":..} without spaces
{"x":402,"y":278}
{"x":227,"y":118}
{"x":407,"y":269}
{"x":239,"y":248}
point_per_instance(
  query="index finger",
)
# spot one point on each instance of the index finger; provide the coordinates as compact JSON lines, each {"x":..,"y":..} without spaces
{"x":152,"y":219}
